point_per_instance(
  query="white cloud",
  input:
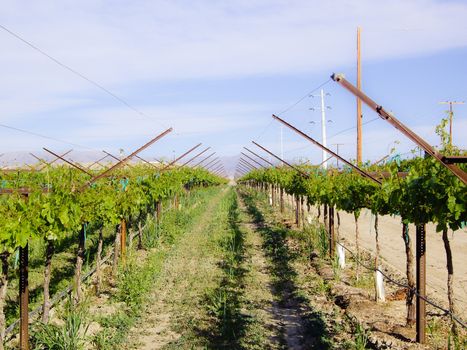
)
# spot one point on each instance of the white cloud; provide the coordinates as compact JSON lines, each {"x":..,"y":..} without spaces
{"x":177,"y":40}
{"x":122,"y":44}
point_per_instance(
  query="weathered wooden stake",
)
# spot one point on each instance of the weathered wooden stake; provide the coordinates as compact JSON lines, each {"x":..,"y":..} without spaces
{"x":421,"y":283}
{"x":410,"y":300}
{"x":282,"y":199}
{"x":332,"y":237}
{"x":99,"y":262}
{"x":297,"y":211}
{"x":23,"y":298}
{"x":158,"y":211}
{"x":123,"y":241}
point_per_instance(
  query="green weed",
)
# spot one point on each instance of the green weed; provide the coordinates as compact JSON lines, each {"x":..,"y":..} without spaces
{"x":360,"y":335}
{"x":69,"y":336}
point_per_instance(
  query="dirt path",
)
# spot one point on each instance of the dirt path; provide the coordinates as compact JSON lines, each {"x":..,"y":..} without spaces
{"x":187,"y":272}
{"x":258,"y":293}
{"x":281,"y":312}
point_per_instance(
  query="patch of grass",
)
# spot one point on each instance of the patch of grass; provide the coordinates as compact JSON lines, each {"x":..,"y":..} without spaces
{"x":135,"y":279}
{"x":366,"y":280}
{"x":67,"y":336}
{"x":276,"y":240}
{"x":115,"y":330}
{"x":336,"y":268}
{"x":360,"y":335}
{"x":456,"y":341}
{"x":224,"y":302}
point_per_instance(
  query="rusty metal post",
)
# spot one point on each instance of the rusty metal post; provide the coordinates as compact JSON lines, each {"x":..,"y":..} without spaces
{"x":23,"y":298}
{"x":280,"y":159}
{"x":273,"y":195}
{"x":123,"y":241}
{"x":204,"y":159}
{"x":282,"y":199}
{"x":297,"y":211}
{"x":264,"y":159}
{"x":325,"y":217}
{"x":158,"y":211}
{"x":390,"y":118}
{"x":196,"y":156}
{"x":253,"y":160}
{"x":327,"y":150}
{"x":302,"y":210}
{"x":332,"y":238}
{"x":421,"y":283}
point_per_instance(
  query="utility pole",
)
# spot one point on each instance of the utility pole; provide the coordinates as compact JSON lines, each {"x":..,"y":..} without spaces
{"x":323,"y":127}
{"x":451,"y":115}
{"x":337,"y":151}
{"x":359,"y":102}
{"x":323,"y":130}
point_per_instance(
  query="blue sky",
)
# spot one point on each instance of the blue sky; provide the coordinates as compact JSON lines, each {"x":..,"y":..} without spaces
{"x":216,"y":71}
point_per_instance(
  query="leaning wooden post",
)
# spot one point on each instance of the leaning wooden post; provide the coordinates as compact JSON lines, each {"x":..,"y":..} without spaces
{"x":325,"y":217}
{"x":273,"y":197}
{"x":23,"y":298}
{"x":79,"y":263}
{"x":302,"y":211}
{"x":421,"y":283}
{"x":99,"y":261}
{"x":332,"y":238}
{"x":176,"y":202}
{"x":297,"y":210}
{"x":158,"y":211}
{"x":282,"y":199}
{"x":409,"y":301}
{"x":116,"y":250}
{"x":123,"y":241}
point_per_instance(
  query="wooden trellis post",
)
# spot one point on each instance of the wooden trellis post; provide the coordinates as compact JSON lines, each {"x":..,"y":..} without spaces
{"x":123,"y":240}
{"x":421,"y":282}
{"x":24,"y":298}
{"x":332,"y":238}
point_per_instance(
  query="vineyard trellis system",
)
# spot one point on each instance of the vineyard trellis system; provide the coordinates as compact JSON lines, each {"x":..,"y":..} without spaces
{"x":398,"y":188}
{"x":52,"y":203}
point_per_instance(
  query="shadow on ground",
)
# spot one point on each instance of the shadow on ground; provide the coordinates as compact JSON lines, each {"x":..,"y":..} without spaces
{"x":312,"y":331}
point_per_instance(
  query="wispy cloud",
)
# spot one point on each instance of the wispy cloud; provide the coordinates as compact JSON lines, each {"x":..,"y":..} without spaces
{"x":124,"y":45}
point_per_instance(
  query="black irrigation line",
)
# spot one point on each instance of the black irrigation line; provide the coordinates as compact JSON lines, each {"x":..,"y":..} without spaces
{"x":403,"y":285}
{"x":406,"y":286}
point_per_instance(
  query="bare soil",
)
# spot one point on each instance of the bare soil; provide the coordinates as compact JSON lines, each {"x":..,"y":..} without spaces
{"x":393,"y":253}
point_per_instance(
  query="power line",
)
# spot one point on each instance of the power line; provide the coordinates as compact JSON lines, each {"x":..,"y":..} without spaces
{"x":353,"y":127}
{"x":304,"y":97}
{"x":336,"y":134}
{"x":44,"y":136}
{"x":82,"y":76}
{"x":262,"y":132}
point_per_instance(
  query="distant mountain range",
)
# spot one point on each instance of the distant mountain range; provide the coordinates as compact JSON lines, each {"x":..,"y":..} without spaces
{"x":21,"y":159}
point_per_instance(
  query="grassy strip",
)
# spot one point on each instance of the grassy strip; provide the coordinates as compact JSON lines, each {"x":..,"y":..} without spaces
{"x":224,"y":302}
{"x":132,"y":286}
{"x":217,"y":313}
{"x":291,"y":252}
{"x":203,"y":316}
